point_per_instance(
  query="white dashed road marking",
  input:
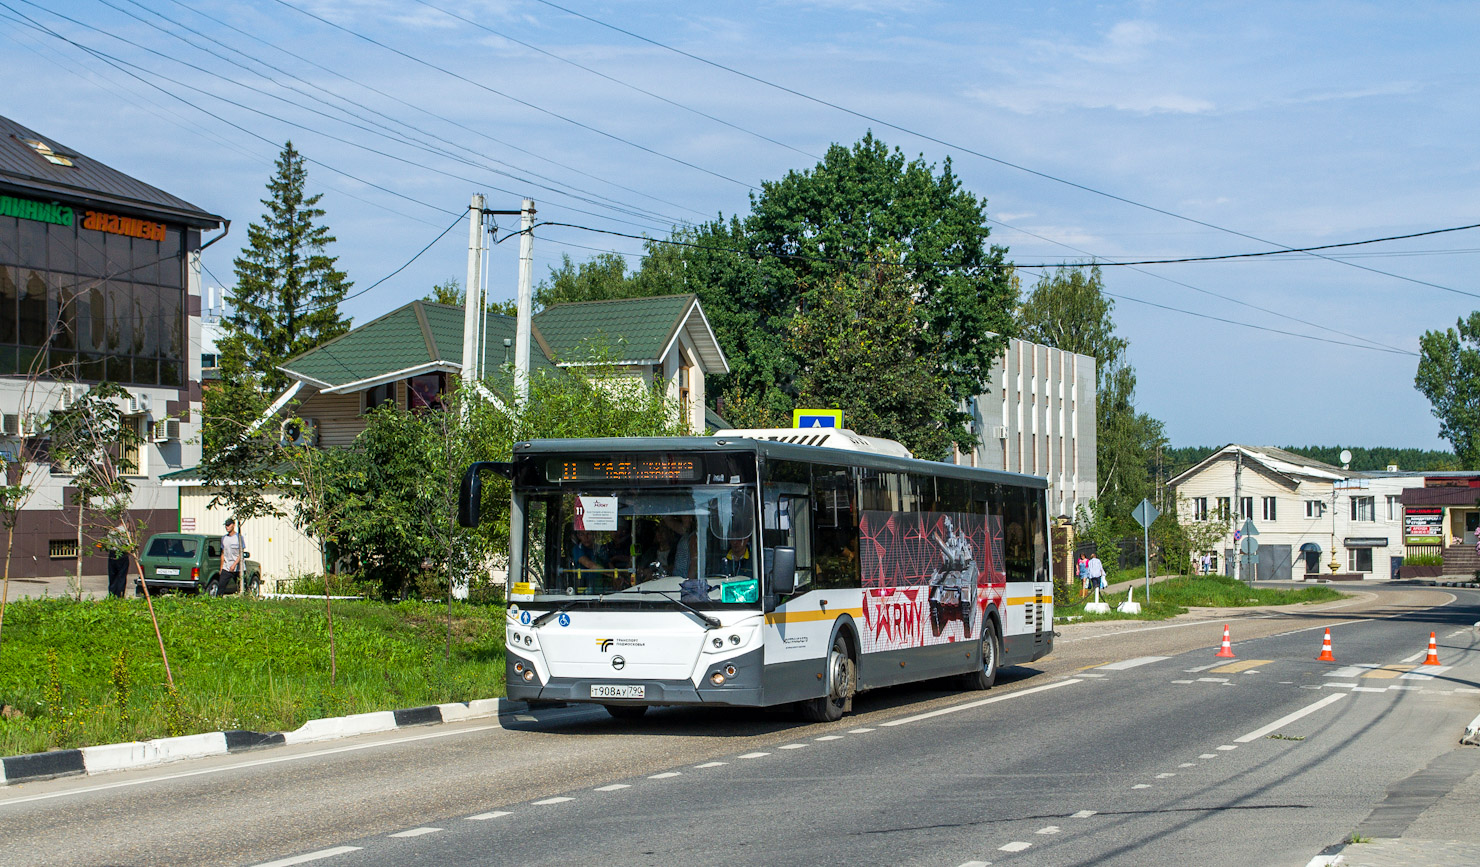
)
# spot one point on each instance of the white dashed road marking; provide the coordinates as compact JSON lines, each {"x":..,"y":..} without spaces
{"x":829,"y":738}
{"x":1132,"y":663}
{"x":1164,"y":776}
{"x":1188,"y":765}
{"x":1414,"y":657}
{"x":712,"y":765}
{"x":859,"y":731}
{"x":1051,"y":829}
{"x":549,"y":801}
{"x":1227,"y":747}
{"x":418,"y":832}
{"x":1181,"y":681}
{"x":974,"y":704}
{"x":481,"y":817}
{"x":754,"y":755}
{"x":1089,"y":674}
{"x":792,"y":746}
{"x":1286,"y":720}
{"x":1141,"y":786}
{"x":310,"y":856}
{"x":1014,"y":846}
{"x":1083,"y":814}
{"x":1208,"y":756}
{"x":1212,"y":680}
{"x":977,"y":864}
{"x":663,"y":776}
{"x":614,"y":787}
{"x":1201,"y":668}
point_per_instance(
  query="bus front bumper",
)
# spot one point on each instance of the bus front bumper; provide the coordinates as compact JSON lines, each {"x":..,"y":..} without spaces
{"x":743,"y":689}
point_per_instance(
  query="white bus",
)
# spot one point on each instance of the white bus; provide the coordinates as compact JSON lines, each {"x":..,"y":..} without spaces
{"x":738,"y":570}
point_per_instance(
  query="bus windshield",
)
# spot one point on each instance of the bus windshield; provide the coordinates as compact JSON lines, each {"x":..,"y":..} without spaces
{"x":692,"y":544}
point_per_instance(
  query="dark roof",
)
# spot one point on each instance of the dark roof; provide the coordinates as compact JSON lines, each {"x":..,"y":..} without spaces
{"x":87,"y":181}
{"x":418,"y":334}
{"x":629,"y":330}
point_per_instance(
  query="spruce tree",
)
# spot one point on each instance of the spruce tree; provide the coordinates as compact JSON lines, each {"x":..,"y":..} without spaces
{"x":287,"y":294}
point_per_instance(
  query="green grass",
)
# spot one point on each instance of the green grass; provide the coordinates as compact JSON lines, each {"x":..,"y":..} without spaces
{"x":82,"y":673}
{"x":1175,"y":595}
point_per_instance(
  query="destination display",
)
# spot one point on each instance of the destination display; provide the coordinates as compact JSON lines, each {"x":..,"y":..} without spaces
{"x":1423,"y":525}
{"x":655,"y":468}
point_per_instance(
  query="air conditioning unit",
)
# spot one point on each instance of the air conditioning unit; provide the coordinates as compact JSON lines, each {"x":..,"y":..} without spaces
{"x":999,"y":431}
{"x":10,"y":424}
{"x":300,"y":432}
{"x":70,"y":394}
{"x":166,"y":430}
{"x":30,"y":425}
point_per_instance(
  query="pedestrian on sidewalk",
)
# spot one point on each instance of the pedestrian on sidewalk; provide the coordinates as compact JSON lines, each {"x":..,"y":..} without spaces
{"x":118,"y":560}
{"x":1096,"y":571}
{"x":1083,"y":572}
{"x":232,"y":550}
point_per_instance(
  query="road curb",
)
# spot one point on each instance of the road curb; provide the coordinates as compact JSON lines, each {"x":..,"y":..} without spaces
{"x":104,"y":758}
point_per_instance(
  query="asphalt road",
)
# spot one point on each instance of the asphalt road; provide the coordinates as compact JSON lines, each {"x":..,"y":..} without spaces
{"x":1132,"y":744}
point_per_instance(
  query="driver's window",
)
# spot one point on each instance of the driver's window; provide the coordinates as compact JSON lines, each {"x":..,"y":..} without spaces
{"x":788,"y":523}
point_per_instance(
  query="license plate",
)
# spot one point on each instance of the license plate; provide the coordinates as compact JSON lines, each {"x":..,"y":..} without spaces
{"x":167,"y":571}
{"x":618,"y":690}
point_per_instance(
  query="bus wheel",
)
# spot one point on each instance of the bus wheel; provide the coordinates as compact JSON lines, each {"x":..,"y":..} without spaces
{"x":986,"y":673}
{"x":841,"y":676}
{"x":626,"y":711}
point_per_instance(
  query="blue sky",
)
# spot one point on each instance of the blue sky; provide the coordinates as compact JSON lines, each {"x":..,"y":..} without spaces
{"x":1298,"y":124}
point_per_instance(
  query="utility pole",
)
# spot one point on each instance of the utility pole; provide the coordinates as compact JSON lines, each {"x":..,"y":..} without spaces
{"x":472,"y":354}
{"x":1238,"y":504}
{"x":522,"y":334}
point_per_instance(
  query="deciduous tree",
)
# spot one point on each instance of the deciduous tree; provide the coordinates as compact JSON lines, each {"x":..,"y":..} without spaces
{"x":1449,"y":376}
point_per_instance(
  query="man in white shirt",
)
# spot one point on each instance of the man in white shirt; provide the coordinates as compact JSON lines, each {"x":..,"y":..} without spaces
{"x":1096,"y":571}
{"x":231,"y":559}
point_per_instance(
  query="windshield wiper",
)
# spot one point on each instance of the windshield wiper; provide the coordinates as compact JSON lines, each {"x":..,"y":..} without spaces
{"x":554,"y":612}
{"x":703,"y":619}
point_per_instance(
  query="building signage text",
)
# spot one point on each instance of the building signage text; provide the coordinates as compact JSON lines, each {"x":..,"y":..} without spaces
{"x":27,"y":209}
{"x":130,"y":226}
{"x":1423,"y":525}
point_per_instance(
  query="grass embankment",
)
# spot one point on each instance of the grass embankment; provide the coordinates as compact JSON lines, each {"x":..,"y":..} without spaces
{"x":1175,"y":595}
{"x":83,"y":673}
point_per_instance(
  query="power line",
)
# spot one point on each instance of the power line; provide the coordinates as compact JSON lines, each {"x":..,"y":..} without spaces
{"x":401,"y":139}
{"x":527,"y":104}
{"x":431,"y":114}
{"x":976,"y":153}
{"x":1371,"y":345}
{"x":1111,"y":264}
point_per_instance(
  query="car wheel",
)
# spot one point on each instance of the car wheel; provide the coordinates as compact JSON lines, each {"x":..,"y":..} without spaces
{"x":213,"y":587}
{"x":841,"y":677}
{"x":254,"y":585}
{"x":991,"y":650}
{"x":626,"y":711}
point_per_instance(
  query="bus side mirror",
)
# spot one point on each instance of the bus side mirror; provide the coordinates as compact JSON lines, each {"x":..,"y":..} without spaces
{"x":470,"y":496}
{"x":784,"y":571}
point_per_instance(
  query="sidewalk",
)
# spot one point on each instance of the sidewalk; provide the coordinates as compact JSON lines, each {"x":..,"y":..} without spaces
{"x":93,"y":587}
{"x":1427,"y":819}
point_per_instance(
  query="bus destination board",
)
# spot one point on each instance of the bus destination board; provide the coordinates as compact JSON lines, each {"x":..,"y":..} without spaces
{"x":656,"y":468}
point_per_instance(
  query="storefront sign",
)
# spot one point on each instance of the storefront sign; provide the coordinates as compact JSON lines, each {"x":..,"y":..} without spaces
{"x":1423,"y":525}
{"x":130,"y":226}
{"x":28,"y":209}
{"x":1364,"y":542}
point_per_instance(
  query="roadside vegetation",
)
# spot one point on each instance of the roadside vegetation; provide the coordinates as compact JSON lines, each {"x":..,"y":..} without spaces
{"x":81,"y":673}
{"x":1175,"y":595}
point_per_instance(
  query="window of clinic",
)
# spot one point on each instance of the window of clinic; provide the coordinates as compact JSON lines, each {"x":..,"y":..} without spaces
{"x":1246,"y":507}
{"x":1269,"y":509}
{"x":1199,"y":508}
{"x":1394,"y":507}
{"x":1359,"y":559}
{"x":1364,"y":509}
{"x":1224,"y":508}
{"x":1315,"y":508}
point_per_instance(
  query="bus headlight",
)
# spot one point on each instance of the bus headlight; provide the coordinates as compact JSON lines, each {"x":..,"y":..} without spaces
{"x":735,"y":639}
{"x":717,"y":679}
{"x":717,"y":642}
{"x":528,"y":675}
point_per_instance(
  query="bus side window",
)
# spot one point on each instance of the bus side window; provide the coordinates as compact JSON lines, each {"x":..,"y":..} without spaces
{"x":835,"y":529}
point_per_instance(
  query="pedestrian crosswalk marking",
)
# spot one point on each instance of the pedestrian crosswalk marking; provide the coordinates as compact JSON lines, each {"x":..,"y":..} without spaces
{"x":1131,"y":663}
{"x":1241,"y":665}
{"x":1388,"y":672}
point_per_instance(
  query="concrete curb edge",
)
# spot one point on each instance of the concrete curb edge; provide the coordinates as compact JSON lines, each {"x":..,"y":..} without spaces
{"x":34,"y":767}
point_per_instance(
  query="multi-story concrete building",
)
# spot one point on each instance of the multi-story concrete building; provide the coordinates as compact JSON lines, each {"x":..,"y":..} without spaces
{"x":99,"y":280}
{"x":1037,"y":416}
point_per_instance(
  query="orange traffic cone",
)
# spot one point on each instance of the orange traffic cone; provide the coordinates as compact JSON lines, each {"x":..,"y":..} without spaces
{"x":1227,"y":649}
{"x":1326,"y":655}
{"x":1433,"y":651}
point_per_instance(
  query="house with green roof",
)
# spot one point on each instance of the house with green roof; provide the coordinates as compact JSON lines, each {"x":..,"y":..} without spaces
{"x":413,"y":355}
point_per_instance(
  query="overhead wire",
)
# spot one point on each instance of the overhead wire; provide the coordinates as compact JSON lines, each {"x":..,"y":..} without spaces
{"x":524,"y":102}
{"x":428,"y":113}
{"x":1370,"y":344}
{"x":305,"y":127}
{"x":976,"y":153}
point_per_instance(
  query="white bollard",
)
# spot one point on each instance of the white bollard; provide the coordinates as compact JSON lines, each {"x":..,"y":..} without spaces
{"x":1097,"y":607}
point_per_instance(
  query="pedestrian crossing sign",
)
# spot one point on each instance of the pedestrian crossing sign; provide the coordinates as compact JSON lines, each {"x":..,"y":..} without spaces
{"x":804,"y":418}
